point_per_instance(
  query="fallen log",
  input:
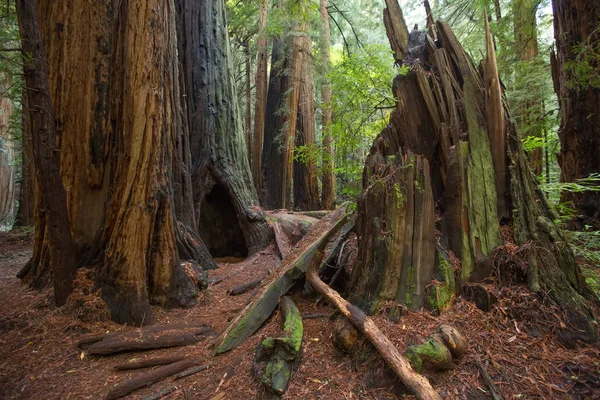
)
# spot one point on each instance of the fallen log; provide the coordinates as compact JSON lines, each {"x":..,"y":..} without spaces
{"x":149,"y":378}
{"x":418,"y":384}
{"x":281,"y":241}
{"x":245,"y":287}
{"x":257,"y":312}
{"x":146,"y":339}
{"x":150,"y":362}
{"x":275,"y":356}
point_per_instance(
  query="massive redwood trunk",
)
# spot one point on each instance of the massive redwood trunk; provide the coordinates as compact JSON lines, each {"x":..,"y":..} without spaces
{"x":225,"y":200}
{"x":576,"y":26}
{"x":124,"y":154}
{"x":451,"y":142}
{"x":24,"y":215}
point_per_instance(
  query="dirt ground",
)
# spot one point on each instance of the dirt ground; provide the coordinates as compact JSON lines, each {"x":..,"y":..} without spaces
{"x":515,"y":343}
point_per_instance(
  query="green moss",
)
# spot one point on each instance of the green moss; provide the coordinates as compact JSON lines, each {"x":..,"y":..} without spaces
{"x":441,"y":296}
{"x":277,"y":375}
{"x":293,"y":327}
{"x":431,"y":351}
{"x":400,"y":199}
{"x":410,"y":285}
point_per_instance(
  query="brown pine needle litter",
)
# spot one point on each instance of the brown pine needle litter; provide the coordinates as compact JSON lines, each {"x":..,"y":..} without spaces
{"x":515,"y":343}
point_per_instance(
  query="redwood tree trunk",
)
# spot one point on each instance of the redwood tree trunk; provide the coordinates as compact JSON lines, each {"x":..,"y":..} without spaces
{"x":24,"y":215}
{"x":328,"y":189}
{"x":225,"y":199}
{"x":260,"y":100}
{"x":63,"y":252}
{"x":8,"y":190}
{"x":576,"y":23}
{"x":124,"y":154}
{"x":306,"y":184}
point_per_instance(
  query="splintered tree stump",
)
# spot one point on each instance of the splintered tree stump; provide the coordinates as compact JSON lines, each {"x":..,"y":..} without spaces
{"x":146,"y":339}
{"x":275,"y":356}
{"x":396,"y":221}
{"x":256,"y":312}
{"x":149,"y":378}
{"x":453,"y":116}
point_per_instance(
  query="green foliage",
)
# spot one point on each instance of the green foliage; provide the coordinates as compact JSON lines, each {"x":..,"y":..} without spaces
{"x":585,"y":65}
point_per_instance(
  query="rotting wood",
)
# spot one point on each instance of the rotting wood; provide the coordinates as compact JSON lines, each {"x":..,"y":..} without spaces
{"x":150,"y":362}
{"x":283,"y":245}
{"x":161,"y":394}
{"x":149,"y":378}
{"x":275,"y":356}
{"x":418,"y":384}
{"x":148,"y":339}
{"x":257,"y":312}
{"x":191,"y":371}
{"x":243,"y":288}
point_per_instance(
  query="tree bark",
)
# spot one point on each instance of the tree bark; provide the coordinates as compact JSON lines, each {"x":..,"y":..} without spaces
{"x":24,"y":215}
{"x":225,"y":198}
{"x":260,"y":98}
{"x":306,"y":184}
{"x":461,"y":133}
{"x":530,"y":108}
{"x":63,"y":252}
{"x":8,"y":188}
{"x":328,"y":179}
{"x":576,"y":23}
{"x":124,"y":153}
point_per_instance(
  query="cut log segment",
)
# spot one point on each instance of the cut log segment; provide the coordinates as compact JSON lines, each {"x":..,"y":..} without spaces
{"x":418,"y":384}
{"x":146,"y":339}
{"x":150,"y":362}
{"x":149,"y":378}
{"x":245,"y":287}
{"x":275,"y":356}
{"x":439,"y":351}
{"x":257,"y":312}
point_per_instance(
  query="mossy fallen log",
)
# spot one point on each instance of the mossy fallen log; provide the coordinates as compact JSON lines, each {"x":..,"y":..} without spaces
{"x":256,"y":313}
{"x":278,"y":354}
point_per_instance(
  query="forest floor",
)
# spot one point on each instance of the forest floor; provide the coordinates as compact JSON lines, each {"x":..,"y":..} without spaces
{"x":515,"y":342}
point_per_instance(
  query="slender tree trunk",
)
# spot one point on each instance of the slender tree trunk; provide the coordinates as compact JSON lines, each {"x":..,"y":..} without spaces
{"x":576,"y":23}
{"x":529,"y":108}
{"x":275,"y":142}
{"x":63,"y":252}
{"x":328,"y":189}
{"x":248,"y":122}
{"x":24,"y":215}
{"x":260,"y":101}
{"x":8,"y":189}
{"x":225,"y":199}
{"x":306,"y":184}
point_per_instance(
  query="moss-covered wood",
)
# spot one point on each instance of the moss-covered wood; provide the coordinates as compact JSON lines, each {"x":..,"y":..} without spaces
{"x":454,"y":115}
{"x":278,"y":354}
{"x":396,"y":226}
{"x":439,"y":350}
{"x":256,"y":313}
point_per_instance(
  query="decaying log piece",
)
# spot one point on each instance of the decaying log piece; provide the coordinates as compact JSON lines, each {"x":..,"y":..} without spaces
{"x":150,"y":362}
{"x":488,"y":379}
{"x":418,"y":384}
{"x":149,"y":378}
{"x":149,"y":338}
{"x":275,"y":356}
{"x":245,"y":287}
{"x":293,"y":225}
{"x":281,"y":241}
{"x":257,"y":312}
{"x":438,"y":352}
{"x":396,"y":29}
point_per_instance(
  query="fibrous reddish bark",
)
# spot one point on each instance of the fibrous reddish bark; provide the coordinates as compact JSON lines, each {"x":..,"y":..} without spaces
{"x":8,"y":189}
{"x":576,"y":23}
{"x":328,"y":180}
